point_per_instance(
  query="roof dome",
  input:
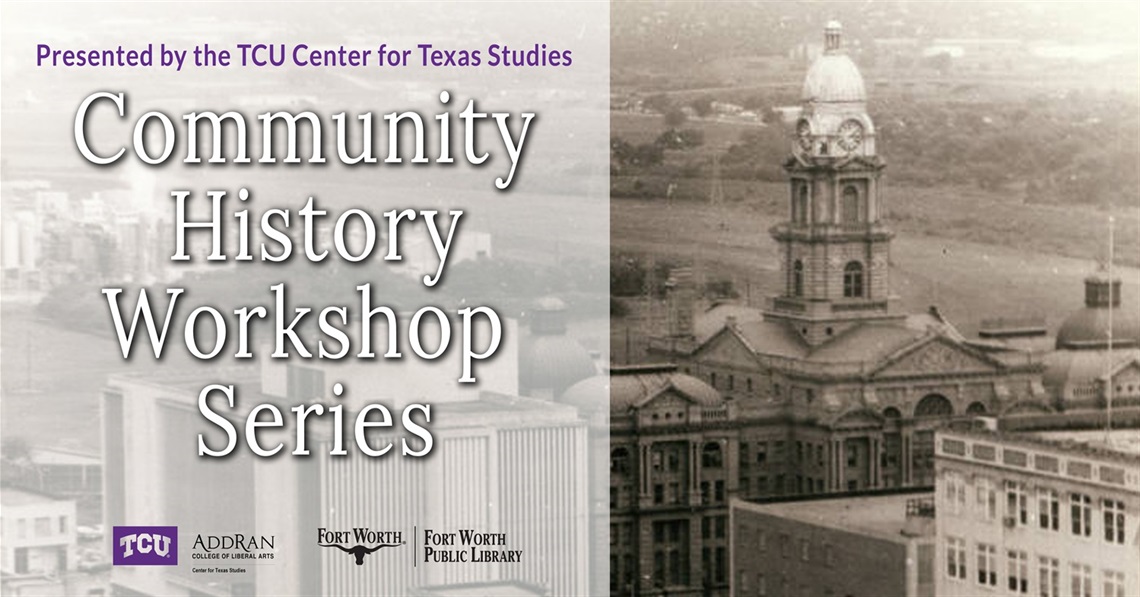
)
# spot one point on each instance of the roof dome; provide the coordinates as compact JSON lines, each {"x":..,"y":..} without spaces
{"x":1088,"y":327}
{"x":632,"y":387}
{"x":1073,"y":374}
{"x":833,"y":77}
{"x":552,"y":362}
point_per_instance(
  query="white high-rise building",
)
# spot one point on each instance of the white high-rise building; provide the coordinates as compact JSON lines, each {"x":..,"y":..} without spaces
{"x":500,"y":464}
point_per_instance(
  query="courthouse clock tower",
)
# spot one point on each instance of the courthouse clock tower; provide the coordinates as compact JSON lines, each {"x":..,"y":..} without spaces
{"x":835,"y":246}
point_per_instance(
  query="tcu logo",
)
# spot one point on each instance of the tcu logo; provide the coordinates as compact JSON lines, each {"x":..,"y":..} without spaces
{"x":145,"y":546}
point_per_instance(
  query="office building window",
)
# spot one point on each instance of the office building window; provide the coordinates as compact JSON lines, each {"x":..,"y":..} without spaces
{"x":43,"y":526}
{"x":1080,"y":576}
{"x":987,"y":565}
{"x":1049,"y":576}
{"x":1081,"y":507}
{"x":1048,"y":509}
{"x":1113,"y":583}
{"x":956,"y":558}
{"x":955,"y":492}
{"x":304,"y":383}
{"x":1016,"y":503}
{"x":1114,"y":521}
{"x":1018,"y":571}
{"x":986,"y":498}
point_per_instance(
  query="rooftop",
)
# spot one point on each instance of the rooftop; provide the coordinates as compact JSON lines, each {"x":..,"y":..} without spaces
{"x":634,"y":386}
{"x":63,"y":456}
{"x":1123,"y":441}
{"x":881,"y":513}
{"x":11,"y":497}
{"x":1120,"y":445}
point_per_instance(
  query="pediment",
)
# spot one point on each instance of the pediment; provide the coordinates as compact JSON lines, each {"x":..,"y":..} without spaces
{"x":1126,"y":370}
{"x":669,"y":398}
{"x":936,"y":355}
{"x":857,"y":418}
{"x":726,"y":346}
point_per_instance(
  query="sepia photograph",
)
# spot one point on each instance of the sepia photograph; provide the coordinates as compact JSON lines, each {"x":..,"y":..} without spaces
{"x":875,"y":305}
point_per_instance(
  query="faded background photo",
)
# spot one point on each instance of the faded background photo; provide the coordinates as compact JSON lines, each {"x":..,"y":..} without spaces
{"x":92,"y":441}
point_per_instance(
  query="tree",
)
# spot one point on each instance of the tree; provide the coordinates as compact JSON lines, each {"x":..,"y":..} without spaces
{"x":702,"y":106}
{"x":683,"y":139}
{"x":674,"y":118}
{"x":658,"y":102}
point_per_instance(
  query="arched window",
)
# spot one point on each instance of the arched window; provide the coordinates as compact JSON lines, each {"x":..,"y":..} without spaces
{"x":853,"y":279}
{"x":976,"y":408}
{"x":711,"y":456}
{"x":891,"y":412}
{"x":619,"y":461}
{"x":800,"y":211}
{"x":850,"y":205}
{"x":934,"y":405}
{"x":798,"y":278}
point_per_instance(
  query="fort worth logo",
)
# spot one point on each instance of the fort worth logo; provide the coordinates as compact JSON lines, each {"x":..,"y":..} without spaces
{"x":145,"y":546}
{"x":360,"y":541}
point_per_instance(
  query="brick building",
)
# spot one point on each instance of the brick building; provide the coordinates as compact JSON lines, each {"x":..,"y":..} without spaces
{"x":866,"y":544}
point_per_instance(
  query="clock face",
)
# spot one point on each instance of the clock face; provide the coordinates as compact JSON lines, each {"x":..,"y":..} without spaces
{"x":850,"y":135}
{"x":803,"y":134}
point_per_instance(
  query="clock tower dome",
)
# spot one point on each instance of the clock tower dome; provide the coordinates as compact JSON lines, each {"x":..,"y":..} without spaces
{"x":835,"y":246}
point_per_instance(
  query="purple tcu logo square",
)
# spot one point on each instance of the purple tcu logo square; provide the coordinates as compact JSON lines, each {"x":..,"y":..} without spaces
{"x":145,"y":546}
